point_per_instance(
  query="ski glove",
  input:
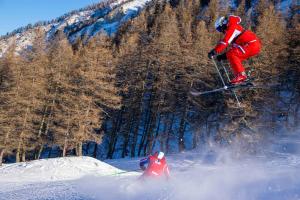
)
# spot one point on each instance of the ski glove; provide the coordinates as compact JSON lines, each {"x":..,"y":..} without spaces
{"x":143,"y":163}
{"x":211,"y":54}
{"x":221,"y":57}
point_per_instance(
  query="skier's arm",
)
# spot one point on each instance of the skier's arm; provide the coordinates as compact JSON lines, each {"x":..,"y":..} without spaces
{"x":144,"y":162}
{"x":230,"y":34}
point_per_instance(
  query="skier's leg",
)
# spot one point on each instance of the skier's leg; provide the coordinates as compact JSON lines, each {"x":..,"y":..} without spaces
{"x":235,"y":59}
{"x":237,"y":54}
{"x":251,"y":49}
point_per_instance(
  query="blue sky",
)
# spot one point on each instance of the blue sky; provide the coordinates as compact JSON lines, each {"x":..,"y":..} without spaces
{"x":17,"y":13}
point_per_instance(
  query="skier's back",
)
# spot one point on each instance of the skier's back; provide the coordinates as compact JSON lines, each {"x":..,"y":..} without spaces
{"x":155,"y":166}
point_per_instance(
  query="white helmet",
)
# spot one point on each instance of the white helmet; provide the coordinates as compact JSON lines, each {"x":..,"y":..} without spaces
{"x":220,"y":23}
{"x":159,"y":155}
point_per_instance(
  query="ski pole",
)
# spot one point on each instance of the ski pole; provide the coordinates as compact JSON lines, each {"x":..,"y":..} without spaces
{"x":234,"y":93}
{"x":228,"y":78}
{"x":216,"y":66}
{"x":226,"y":72}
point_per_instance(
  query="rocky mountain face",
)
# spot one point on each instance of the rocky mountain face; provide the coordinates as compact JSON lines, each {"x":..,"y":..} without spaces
{"x":105,"y":16}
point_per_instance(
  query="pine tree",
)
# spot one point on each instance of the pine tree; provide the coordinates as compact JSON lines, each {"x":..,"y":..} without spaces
{"x":22,"y":102}
{"x":167,"y":89}
{"x":7,"y":84}
{"x":97,"y":89}
{"x":268,"y":64}
{"x":62,"y":100}
{"x":38,"y":62}
{"x":186,"y":19}
{"x":241,"y":11}
{"x":133,"y":69}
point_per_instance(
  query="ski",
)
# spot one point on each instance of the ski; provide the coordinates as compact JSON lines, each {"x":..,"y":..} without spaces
{"x":225,"y":88}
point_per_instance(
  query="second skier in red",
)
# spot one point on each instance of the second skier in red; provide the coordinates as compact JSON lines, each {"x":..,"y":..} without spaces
{"x":244,"y":44}
{"x":155,"y":166}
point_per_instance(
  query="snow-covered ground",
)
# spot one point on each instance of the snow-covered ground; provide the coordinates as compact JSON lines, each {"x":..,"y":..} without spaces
{"x":273,"y":173}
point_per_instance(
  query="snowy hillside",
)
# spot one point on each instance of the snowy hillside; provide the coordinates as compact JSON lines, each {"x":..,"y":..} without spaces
{"x":211,"y":174}
{"x":56,"y":169}
{"x":83,"y":24}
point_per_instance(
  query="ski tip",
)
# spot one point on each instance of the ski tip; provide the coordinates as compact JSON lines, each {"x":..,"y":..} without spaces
{"x":195,"y":93}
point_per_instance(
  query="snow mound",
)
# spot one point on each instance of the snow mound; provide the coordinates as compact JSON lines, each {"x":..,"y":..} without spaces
{"x":56,"y":169}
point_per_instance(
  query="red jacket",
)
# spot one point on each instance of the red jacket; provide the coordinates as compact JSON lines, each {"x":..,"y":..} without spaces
{"x":236,"y":35}
{"x":156,"y":167}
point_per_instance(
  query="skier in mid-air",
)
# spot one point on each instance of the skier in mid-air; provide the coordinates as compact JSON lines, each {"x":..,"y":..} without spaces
{"x":155,"y":166}
{"x":245,"y":44}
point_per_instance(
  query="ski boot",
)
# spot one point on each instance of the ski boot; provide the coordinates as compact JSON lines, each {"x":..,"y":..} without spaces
{"x":240,"y":78}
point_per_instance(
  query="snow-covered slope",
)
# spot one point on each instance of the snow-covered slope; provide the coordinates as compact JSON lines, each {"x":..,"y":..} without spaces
{"x":83,"y":24}
{"x":56,"y":170}
{"x":215,"y":174}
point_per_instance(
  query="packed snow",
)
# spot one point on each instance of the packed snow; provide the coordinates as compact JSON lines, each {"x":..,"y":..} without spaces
{"x":56,"y":169}
{"x":206,"y":173}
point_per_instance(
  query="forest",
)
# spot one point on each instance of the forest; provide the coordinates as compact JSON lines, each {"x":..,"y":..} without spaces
{"x":129,"y":94}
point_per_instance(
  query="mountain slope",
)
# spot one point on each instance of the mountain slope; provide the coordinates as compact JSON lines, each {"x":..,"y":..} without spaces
{"x":106,"y":17}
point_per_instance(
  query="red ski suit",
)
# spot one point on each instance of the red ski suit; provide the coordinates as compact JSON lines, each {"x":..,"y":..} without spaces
{"x":245,"y":44}
{"x":156,"y":168}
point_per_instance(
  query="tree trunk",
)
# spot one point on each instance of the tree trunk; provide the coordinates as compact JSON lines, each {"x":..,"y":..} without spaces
{"x":114,"y":135}
{"x":21,"y":136}
{"x":23,"y":155}
{"x":127,"y":136}
{"x":143,"y":139}
{"x":40,"y":152}
{"x":181,"y":145}
{"x":48,"y":124}
{"x":36,"y":152}
{"x":42,"y":123}
{"x":150,"y":137}
{"x":147,"y":124}
{"x":39,"y":149}
{"x":82,"y":128}
{"x":5,"y":143}
{"x":137,"y":124}
{"x":87,"y":148}
{"x":195,"y":138}
{"x":79,"y":149}
{"x":162,"y":139}
{"x":65,"y":148}
{"x":1,"y":156}
{"x":156,"y":132}
{"x":95,"y":150}
{"x":135,"y":135}
{"x":18,"y":153}
{"x":49,"y":154}
{"x":168,"y":135}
